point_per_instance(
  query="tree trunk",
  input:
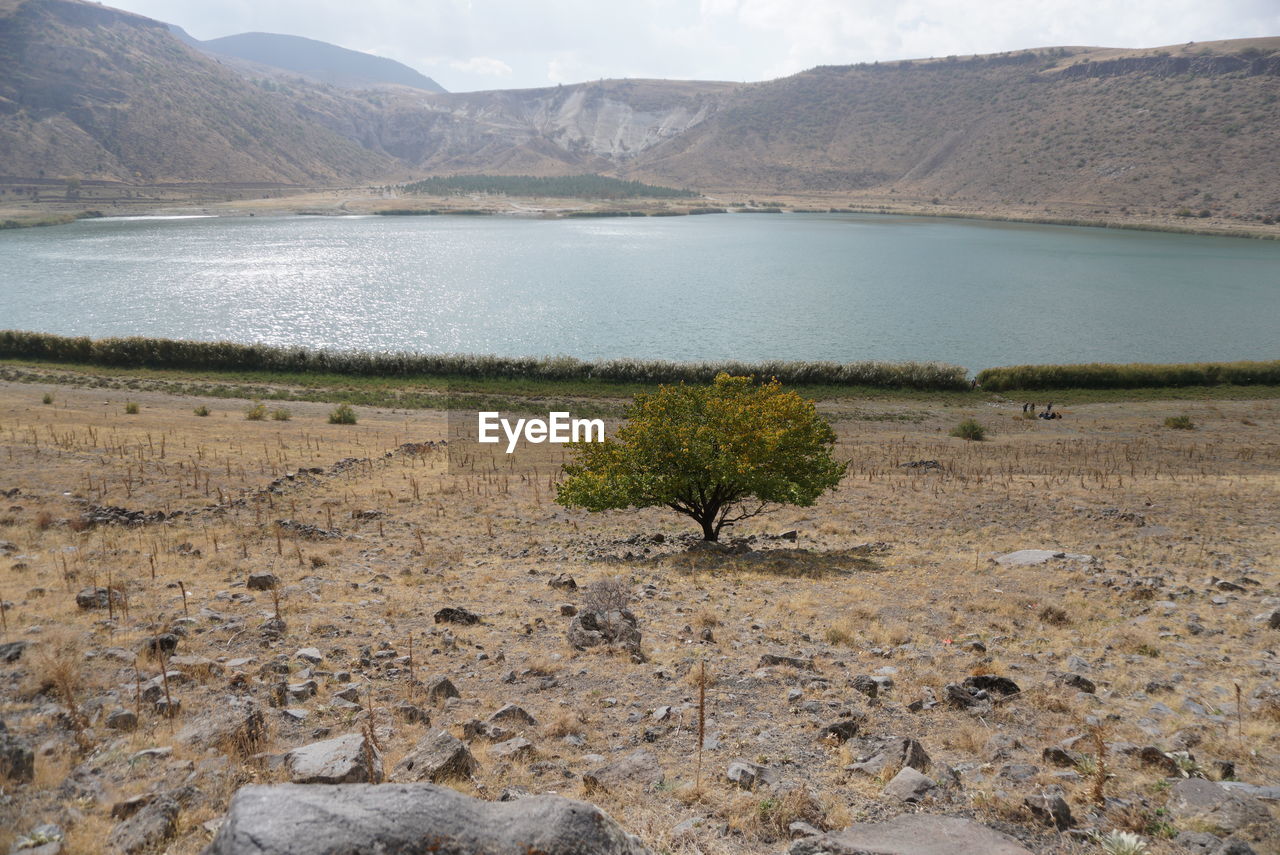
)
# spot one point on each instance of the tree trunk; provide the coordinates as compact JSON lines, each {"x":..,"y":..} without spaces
{"x":710,"y":531}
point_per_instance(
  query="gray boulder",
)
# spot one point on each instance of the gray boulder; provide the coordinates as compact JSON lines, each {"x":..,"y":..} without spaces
{"x":438,"y":756}
{"x":510,"y":714}
{"x":618,"y":628}
{"x":398,"y":819}
{"x":748,"y":776}
{"x":897,"y":752}
{"x":17,"y":760}
{"x":639,"y":770}
{"x":440,"y":689}
{"x":12,"y":651}
{"x":1212,"y":807}
{"x":146,"y":829}
{"x":1036,"y":557}
{"x":348,"y":759}
{"x":44,"y":839}
{"x":262,"y":581}
{"x":909,"y":786}
{"x":235,"y":725}
{"x":912,"y":834}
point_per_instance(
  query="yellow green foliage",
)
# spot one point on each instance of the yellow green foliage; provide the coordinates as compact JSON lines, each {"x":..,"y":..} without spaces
{"x":719,"y":454}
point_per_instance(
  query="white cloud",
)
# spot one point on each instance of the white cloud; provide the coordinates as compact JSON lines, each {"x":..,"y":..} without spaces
{"x":574,"y":40}
{"x":485,"y":65}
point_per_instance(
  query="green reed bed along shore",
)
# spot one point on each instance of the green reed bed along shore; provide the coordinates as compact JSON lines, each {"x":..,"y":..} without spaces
{"x":1129,"y":376}
{"x":172,"y":353}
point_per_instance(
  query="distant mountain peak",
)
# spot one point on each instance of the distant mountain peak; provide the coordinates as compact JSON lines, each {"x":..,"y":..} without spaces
{"x":317,"y":60}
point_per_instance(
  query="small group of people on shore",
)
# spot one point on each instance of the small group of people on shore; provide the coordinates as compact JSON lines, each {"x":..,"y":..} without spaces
{"x":1046,"y":413}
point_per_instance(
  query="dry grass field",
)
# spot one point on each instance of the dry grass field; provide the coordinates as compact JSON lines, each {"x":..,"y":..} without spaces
{"x":370,"y":530}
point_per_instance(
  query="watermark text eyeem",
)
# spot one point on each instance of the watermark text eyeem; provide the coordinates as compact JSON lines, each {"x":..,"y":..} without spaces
{"x":557,"y":427}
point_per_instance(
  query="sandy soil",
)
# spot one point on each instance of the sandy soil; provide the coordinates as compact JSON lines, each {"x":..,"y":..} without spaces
{"x":893,"y":575}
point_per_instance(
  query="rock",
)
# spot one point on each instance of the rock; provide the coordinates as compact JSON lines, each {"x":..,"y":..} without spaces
{"x":1078,"y":681}
{"x":146,"y":829}
{"x":95,"y":598}
{"x":302,"y":691}
{"x":1234,"y":847}
{"x":894,"y":753}
{"x":865,"y":684}
{"x":992,"y":684}
{"x":1061,"y":757}
{"x":309,"y":654}
{"x":12,"y":652}
{"x":17,"y":760}
{"x":234,"y":724}
{"x":162,"y":644}
{"x":770,"y":659}
{"x":513,"y":715}
{"x":438,"y":756}
{"x":126,"y":720}
{"x":440,"y":689}
{"x":42,"y":840}
{"x":568,"y":610}
{"x":563,"y":582}
{"x":403,"y":818}
{"x":348,"y":759}
{"x":412,"y":714}
{"x":840,"y":731}
{"x":1018,"y":772}
{"x":195,"y":665}
{"x":909,"y":786}
{"x":615,"y":628}
{"x":1267,"y":794}
{"x":638,"y":770}
{"x":748,"y":776}
{"x":1052,"y":810}
{"x":1152,"y":756}
{"x":912,"y":834}
{"x":456,"y":614}
{"x":519,"y":747}
{"x":262,"y":581}
{"x":1212,"y":807}
{"x":961,"y":697}
{"x":1036,"y":557}
{"x":1198,"y":842}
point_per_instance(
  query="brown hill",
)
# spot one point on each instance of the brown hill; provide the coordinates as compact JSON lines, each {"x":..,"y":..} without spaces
{"x":97,"y":93}
{"x":93,"y":92}
{"x":1192,"y":126}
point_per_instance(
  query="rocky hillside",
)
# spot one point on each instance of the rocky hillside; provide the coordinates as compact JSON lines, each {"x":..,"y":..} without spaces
{"x":93,"y":92}
{"x":1192,"y":126}
{"x":106,"y":94}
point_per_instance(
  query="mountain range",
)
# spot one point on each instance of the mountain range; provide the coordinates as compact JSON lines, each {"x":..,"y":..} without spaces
{"x":98,"y":93}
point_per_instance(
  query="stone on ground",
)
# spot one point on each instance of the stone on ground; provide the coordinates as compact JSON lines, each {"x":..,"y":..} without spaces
{"x":296,"y":820}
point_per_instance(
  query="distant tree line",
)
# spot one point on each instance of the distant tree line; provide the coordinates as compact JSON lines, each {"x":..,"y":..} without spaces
{"x":561,"y":186}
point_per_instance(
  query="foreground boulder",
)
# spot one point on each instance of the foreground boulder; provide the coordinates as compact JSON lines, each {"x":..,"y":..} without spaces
{"x":402,"y":818}
{"x":912,"y":834}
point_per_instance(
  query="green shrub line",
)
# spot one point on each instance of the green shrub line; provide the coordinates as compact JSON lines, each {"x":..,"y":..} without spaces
{"x":1136,"y":375}
{"x":139,"y":352}
{"x":585,"y":186}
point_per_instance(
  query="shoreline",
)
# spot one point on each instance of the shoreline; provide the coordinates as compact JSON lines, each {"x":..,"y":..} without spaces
{"x":372,"y":201}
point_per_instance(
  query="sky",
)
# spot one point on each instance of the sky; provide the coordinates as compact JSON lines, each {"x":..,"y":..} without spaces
{"x":469,"y":45}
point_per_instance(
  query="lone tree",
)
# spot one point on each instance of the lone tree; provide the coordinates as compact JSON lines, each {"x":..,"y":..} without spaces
{"x":720,"y":454}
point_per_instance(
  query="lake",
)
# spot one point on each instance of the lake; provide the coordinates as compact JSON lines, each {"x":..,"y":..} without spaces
{"x":794,"y":286}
